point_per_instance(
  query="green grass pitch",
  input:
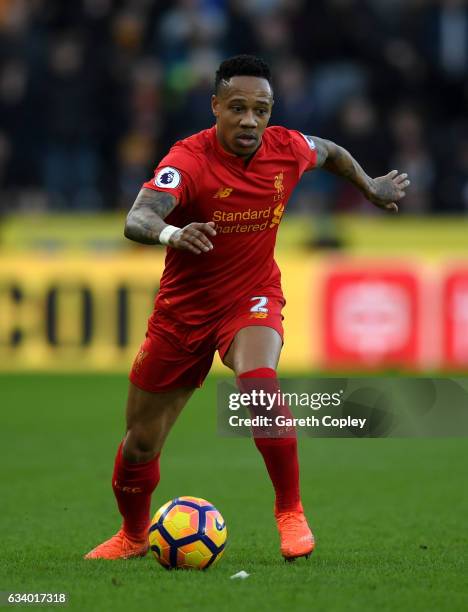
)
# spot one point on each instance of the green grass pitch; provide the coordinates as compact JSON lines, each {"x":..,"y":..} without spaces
{"x":389,"y":515}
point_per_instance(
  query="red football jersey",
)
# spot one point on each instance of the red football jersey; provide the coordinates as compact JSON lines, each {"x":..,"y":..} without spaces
{"x":246,"y":202}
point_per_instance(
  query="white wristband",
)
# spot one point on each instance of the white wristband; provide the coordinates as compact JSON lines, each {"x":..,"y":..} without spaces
{"x":166,"y":233}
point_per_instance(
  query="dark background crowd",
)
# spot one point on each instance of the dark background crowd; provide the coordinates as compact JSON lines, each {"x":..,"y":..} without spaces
{"x":94,"y":92}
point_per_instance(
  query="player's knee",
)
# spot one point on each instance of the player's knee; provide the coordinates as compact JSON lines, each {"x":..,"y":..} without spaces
{"x":139,"y":447}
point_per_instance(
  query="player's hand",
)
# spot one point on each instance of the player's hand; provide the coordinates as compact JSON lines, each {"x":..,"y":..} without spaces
{"x":194,"y":238}
{"x":386,"y":191}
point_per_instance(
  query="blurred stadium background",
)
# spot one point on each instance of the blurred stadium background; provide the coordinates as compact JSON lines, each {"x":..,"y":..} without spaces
{"x":94,"y":92}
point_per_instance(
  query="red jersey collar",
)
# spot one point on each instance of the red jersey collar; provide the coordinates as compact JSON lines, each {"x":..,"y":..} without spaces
{"x":231,"y":157}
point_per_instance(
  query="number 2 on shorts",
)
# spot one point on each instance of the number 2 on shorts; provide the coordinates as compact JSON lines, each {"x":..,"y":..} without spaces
{"x":260,"y":305}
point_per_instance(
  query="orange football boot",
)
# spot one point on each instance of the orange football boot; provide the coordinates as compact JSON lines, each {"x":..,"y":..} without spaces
{"x":120,"y":546}
{"x":296,"y":537}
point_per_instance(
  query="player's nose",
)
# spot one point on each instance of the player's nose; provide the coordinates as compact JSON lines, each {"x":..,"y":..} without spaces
{"x":248,"y":120}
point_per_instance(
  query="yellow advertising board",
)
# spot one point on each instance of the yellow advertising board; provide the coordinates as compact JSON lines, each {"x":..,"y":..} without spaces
{"x":80,"y":308}
{"x":89,"y":313}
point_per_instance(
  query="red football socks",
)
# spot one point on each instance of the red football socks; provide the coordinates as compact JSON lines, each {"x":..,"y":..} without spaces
{"x":280,"y":453}
{"x":133,"y":484}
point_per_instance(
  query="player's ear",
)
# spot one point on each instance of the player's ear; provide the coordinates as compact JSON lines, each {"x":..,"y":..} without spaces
{"x":215,"y":105}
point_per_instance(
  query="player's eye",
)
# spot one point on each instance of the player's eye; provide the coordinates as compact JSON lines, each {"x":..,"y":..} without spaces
{"x":236,"y":109}
{"x":262,"y":111}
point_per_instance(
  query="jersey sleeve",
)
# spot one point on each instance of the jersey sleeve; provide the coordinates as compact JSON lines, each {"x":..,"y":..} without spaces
{"x":304,"y":150}
{"x":177,"y":174}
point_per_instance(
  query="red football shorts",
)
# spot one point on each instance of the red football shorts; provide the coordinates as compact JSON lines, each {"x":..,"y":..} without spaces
{"x":176,"y":355}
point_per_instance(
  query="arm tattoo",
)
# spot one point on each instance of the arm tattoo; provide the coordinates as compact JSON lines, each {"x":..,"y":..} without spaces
{"x":337,"y":160}
{"x":160,"y":202}
{"x":145,"y":221}
{"x":322,"y":151}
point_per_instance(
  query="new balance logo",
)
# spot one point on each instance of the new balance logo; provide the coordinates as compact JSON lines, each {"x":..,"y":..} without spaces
{"x":223,"y":192}
{"x":258,"y":315}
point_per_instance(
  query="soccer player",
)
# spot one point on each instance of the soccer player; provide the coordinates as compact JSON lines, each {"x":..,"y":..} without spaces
{"x":216,"y":202}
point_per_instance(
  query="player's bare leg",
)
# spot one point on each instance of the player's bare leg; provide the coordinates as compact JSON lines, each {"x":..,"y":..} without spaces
{"x":150,"y":417}
{"x":254,"y":347}
{"x":254,"y":354}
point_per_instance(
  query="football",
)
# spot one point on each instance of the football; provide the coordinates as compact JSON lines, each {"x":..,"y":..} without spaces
{"x":187,"y":533}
